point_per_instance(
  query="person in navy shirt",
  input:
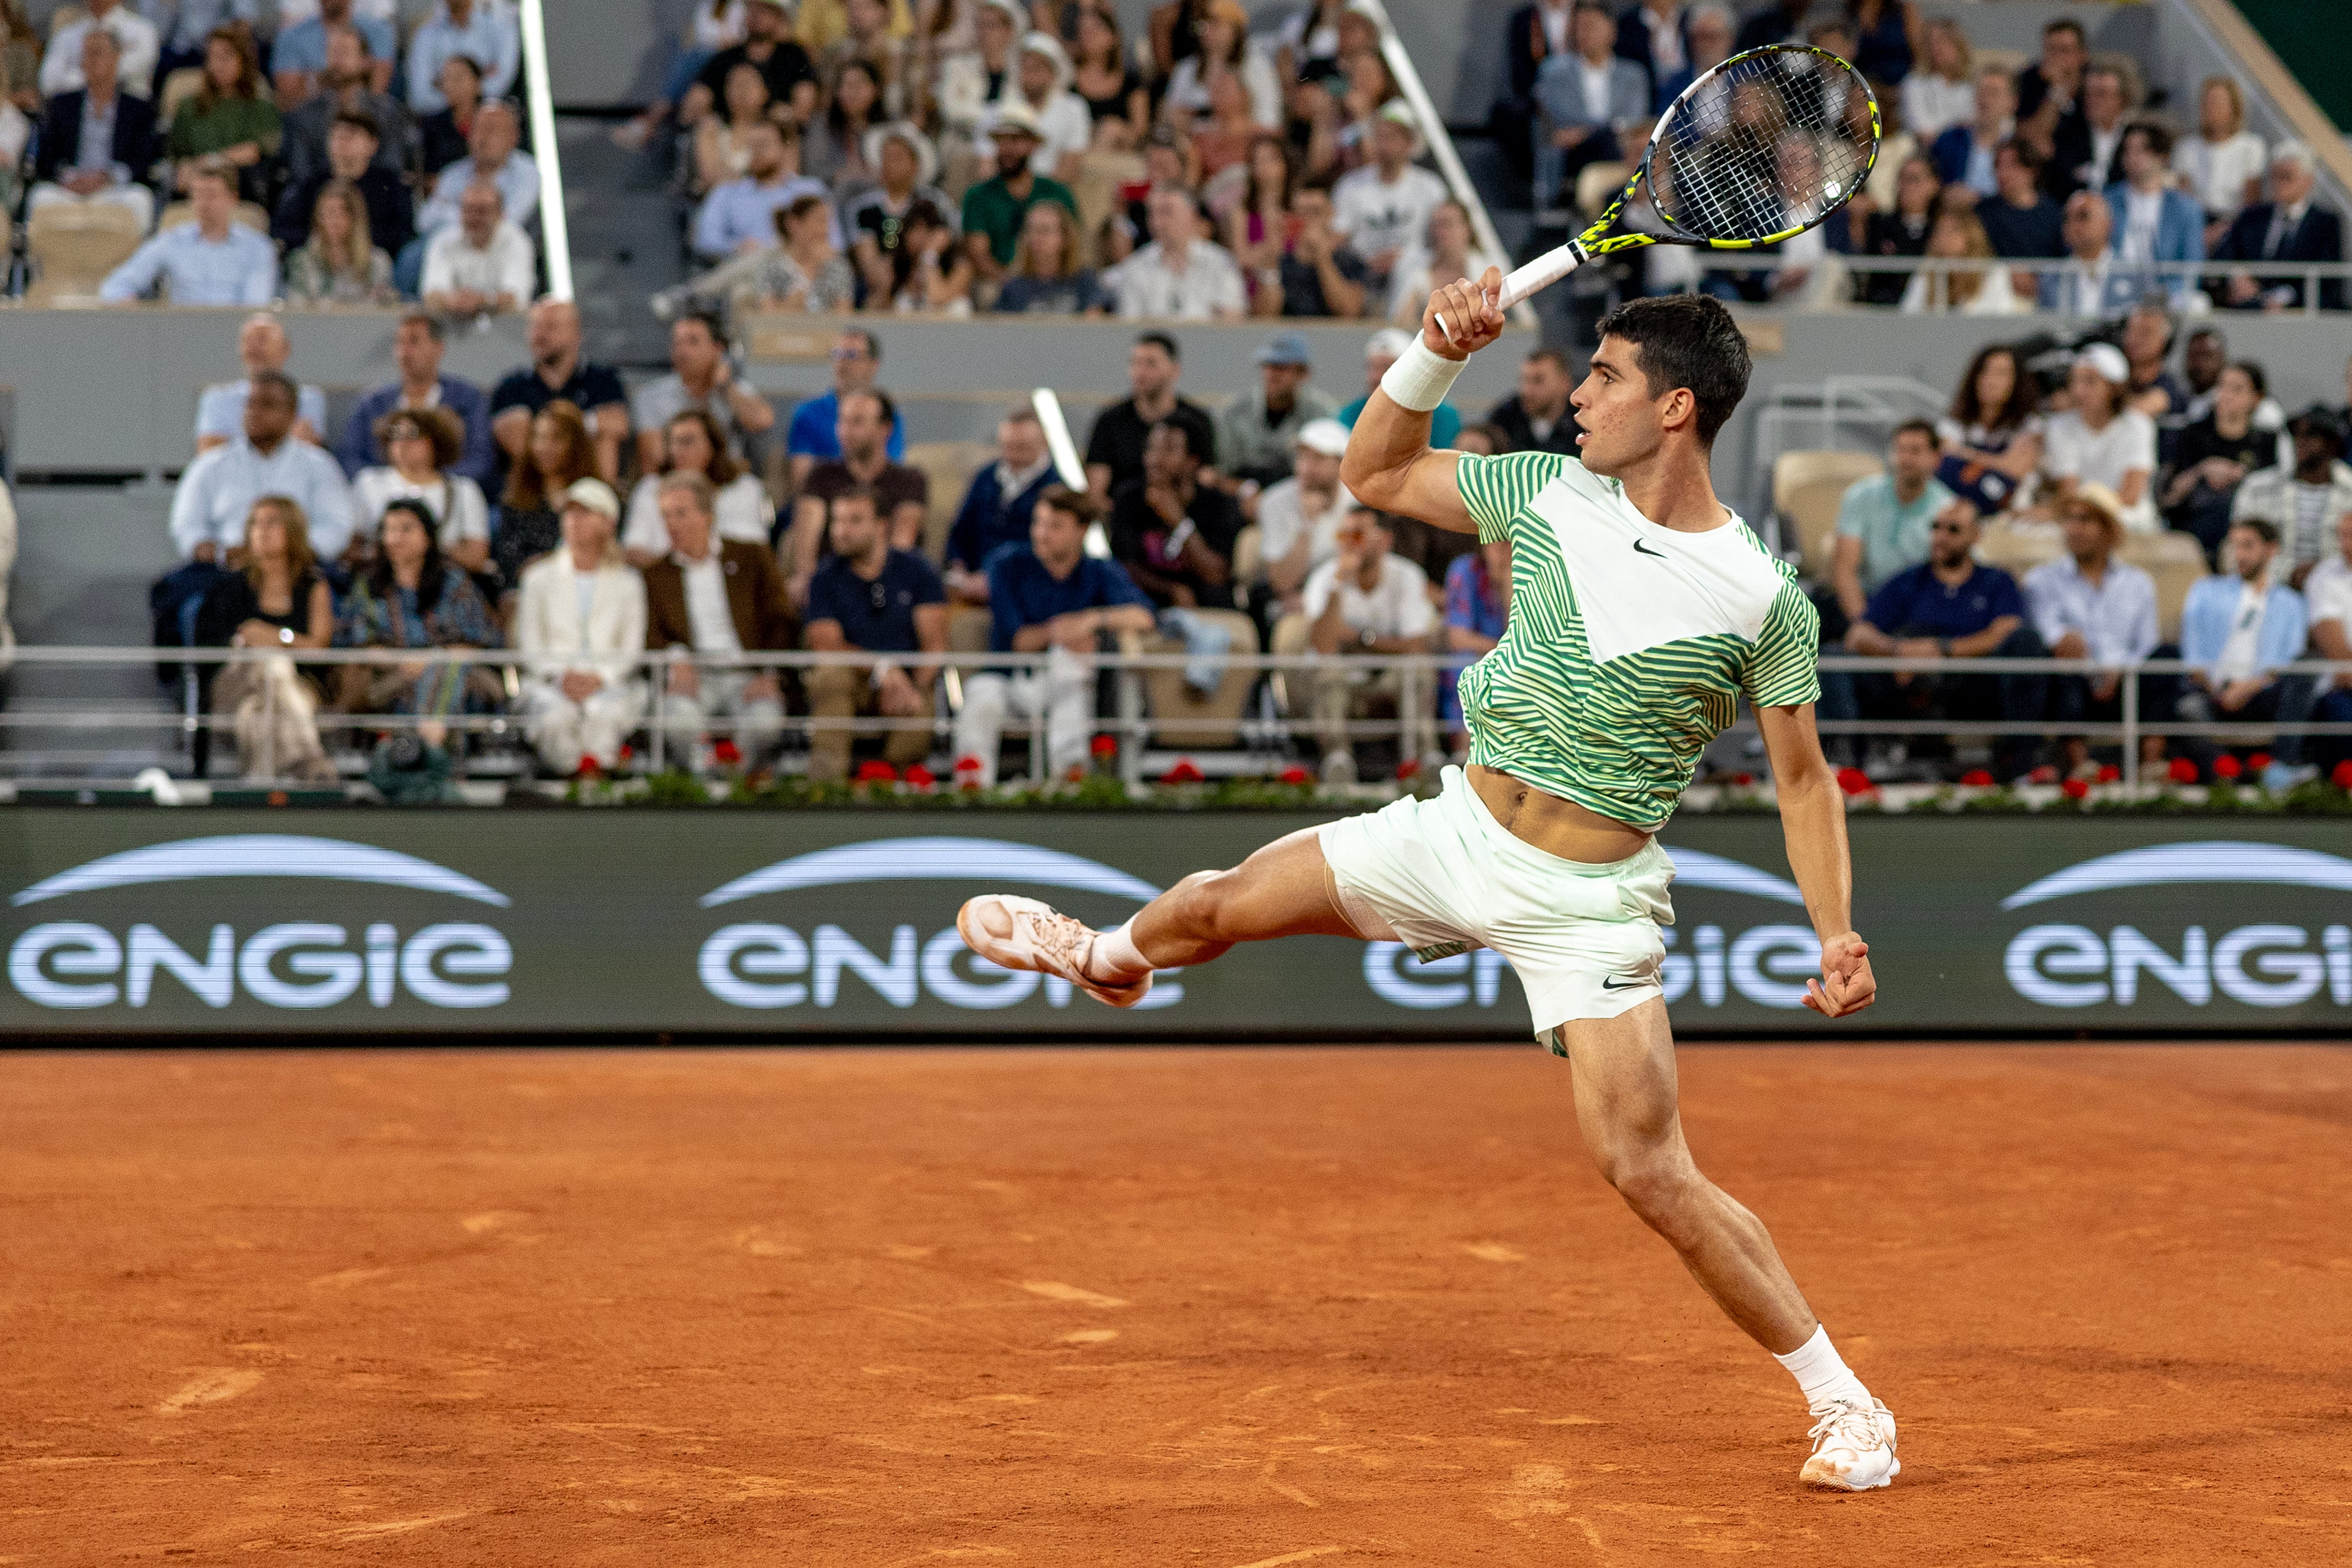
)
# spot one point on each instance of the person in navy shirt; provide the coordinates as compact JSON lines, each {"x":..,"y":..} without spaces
{"x":867,"y":597}
{"x":1948,"y":607}
{"x":813,"y":438}
{"x":997,"y":508}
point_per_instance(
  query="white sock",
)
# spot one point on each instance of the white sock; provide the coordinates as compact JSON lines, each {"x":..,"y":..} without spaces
{"x":1821,"y":1372}
{"x":1116,"y":957}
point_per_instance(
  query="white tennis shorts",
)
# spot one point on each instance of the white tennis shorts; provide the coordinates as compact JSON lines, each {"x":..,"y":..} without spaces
{"x":1443,"y":876}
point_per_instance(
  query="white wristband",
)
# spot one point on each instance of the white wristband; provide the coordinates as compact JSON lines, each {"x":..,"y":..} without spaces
{"x":1421,"y":378}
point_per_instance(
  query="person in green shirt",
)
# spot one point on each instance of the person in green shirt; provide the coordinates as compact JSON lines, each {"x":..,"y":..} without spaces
{"x":993,"y":210}
{"x":230,"y":117}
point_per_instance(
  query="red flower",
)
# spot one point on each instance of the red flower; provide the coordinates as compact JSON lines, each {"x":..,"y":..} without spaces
{"x":1407,"y":768}
{"x":727,"y":755}
{"x":1976,"y":778}
{"x":921,"y":777}
{"x":967,"y":765}
{"x":2074,"y":789}
{"x":628,"y":750}
{"x":587,"y":768}
{"x":2044,"y":775}
{"x":2109,"y":772}
{"x":2226,"y":766}
{"x":2259,"y":761}
{"x":1743,"y":780}
{"x":1853,"y":780}
{"x":1183,"y":772}
{"x":876,"y":770}
{"x":2342,"y":777}
{"x":1105,"y":745}
{"x":2182,"y":770}
{"x":1295,"y":776}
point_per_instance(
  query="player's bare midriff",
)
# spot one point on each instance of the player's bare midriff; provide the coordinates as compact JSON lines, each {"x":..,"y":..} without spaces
{"x":1554,"y":826}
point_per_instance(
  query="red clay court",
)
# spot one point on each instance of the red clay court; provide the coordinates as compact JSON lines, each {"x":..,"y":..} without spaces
{"x":1147,"y":1305}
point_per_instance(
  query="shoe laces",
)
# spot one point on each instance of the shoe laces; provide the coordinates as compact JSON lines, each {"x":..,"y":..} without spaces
{"x":1849,"y":1423}
{"x":1062,"y":938}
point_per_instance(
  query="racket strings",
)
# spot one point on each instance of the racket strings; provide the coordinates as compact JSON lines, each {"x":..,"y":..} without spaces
{"x":1766,"y":146}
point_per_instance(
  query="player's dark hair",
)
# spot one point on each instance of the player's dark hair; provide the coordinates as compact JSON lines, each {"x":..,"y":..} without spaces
{"x":1687,"y":341}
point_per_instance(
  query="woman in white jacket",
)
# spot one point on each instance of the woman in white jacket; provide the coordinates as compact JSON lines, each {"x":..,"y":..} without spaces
{"x":580,"y":630}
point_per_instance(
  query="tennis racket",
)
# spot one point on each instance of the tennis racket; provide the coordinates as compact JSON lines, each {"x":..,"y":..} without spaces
{"x":1759,"y":150}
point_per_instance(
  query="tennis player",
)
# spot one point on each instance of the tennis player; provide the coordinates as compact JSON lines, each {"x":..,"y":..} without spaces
{"x":1641,"y":610}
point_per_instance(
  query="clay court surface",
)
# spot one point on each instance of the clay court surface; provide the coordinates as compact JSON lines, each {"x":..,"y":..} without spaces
{"x":1155,"y":1306}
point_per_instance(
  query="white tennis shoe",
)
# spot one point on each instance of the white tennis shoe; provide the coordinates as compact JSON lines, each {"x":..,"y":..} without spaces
{"x":1854,"y":1447}
{"x":1042,"y":938}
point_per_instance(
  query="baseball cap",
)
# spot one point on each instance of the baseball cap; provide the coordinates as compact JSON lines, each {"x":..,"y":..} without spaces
{"x":2108,"y":360}
{"x":595,"y":495}
{"x":1327,"y":436}
{"x":1285,"y":348}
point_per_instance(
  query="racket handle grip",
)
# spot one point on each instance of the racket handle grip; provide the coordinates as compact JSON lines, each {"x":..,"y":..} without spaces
{"x":1541,"y":273}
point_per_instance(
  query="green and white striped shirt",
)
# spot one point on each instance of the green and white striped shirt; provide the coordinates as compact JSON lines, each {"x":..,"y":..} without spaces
{"x":1629,"y":644}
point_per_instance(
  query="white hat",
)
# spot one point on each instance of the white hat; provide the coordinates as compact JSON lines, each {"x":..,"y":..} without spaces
{"x":1326,"y":436}
{"x":1389,"y":343}
{"x":2108,"y":360}
{"x":926,"y":157}
{"x":1050,"y":48}
{"x":595,"y":495}
{"x":1014,"y":114}
{"x":1397,"y":111}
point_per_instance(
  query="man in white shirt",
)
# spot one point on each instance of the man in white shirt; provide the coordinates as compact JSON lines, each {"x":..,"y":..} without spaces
{"x":1065,"y":125}
{"x":218,"y":491}
{"x":61,"y":66}
{"x":1384,"y":206}
{"x":1181,"y":274}
{"x":1298,"y":519}
{"x":485,"y":265}
{"x":2088,"y":605}
{"x":1365,"y":600}
{"x":263,"y":349}
{"x":717,"y":597}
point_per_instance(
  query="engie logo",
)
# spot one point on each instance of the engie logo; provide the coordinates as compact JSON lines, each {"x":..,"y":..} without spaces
{"x":764,"y":964}
{"x":302,"y":963}
{"x":2268,"y":963}
{"x":1766,"y":963}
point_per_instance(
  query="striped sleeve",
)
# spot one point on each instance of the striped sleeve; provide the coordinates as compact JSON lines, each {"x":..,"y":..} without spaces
{"x":1496,"y":489}
{"x":1782,"y":667}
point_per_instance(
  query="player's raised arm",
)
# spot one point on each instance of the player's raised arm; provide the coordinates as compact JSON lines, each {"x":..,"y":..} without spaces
{"x":1389,"y":464}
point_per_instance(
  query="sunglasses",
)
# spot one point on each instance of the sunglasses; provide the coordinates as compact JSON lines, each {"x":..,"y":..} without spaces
{"x":1947,"y":528}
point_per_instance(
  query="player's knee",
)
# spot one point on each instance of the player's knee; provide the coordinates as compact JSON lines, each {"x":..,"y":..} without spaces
{"x":1658,"y":1186}
{"x":1206,"y":899}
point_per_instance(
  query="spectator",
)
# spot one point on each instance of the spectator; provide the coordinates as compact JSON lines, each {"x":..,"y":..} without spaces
{"x":2084,"y":150}
{"x":1381,"y":207}
{"x":15,"y":133}
{"x":722,"y":143}
{"x":414,"y":596}
{"x":218,"y":490}
{"x":1174,"y":534}
{"x":876,"y":40}
{"x":995,"y":210}
{"x":1957,"y":236}
{"x":2020,"y":220}
{"x":297,"y":58}
{"x":1317,"y":273}
{"x":423,"y":446}
{"x":2088,"y":605}
{"x":2153,"y":389}
{"x":230,"y":117}
{"x":1384,"y":348}
{"x":715,"y":597}
{"x":1965,"y":154}
{"x":1948,"y":607}
{"x":1224,"y":42}
{"x":1220,"y":140}
{"x":582,"y":632}
{"x":558,"y":456}
{"x":212,"y":260}
{"x":97,"y":141}
{"x":445,"y":135}
{"x":2202,"y":361}
{"x":1945,"y":93}
{"x":1593,"y":105}
{"x":901,"y":494}
{"x":2092,"y":282}
{"x":1254,"y":224}
{"x":1365,"y":600}
{"x":261,"y":348}
{"x":2153,"y":222}
{"x":2102,"y":439}
{"x":1182,"y":273}
{"x":997,"y":506}
{"x":2047,"y":90}
{"x":739,"y":217}
{"x":1991,"y":437}
{"x":1886,"y":34}
{"x":1114,"y":94}
{"x":2300,"y":504}
{"x":1478,"y":610}
{"x":274,"y":600}
{"x":1063,"y":127}
{"x":484,"y":267}
{"x":1534,"y":35}
{"x":1778,"y":21}
{"x":971,"y":80}
{"x":2327,"y":595}
{"x":2289,"y":227}
{"x":1712,"y":33}
{"x":2236,"y":630}
{"x":1443,"y":255}
{"x":1656,"y":36}
{"x":1299,"y":519}
{"x":701,"y":376}
{"x":1902,"y":232}
{"x":353,"y":144}
{"x":1115,"y":447}
{"x":417,"y":347}
{"x":877,"y":220}
{"x":341,"y":264}
{"x":693,"y":444}
{"x":1536,"y":417}
{"x":1048,"y":276}
{"x":483,"y":33}
{"x":2220,"y":167}
{"x":813,"y":436}
{"x":832,"y":147}
{"x":869,"y":597}
{"x":494,"y":153}
{"x":65,"y":68}
{"x":767,"y":44}
{"x":924,"y":272}
{"x":1885,"y":522}
{"x":716,"y":25}
{"x":557,"y":371}
{"x":1255,"y":431}
{"x":1483,"y":439}
{"x":1046,"y":594}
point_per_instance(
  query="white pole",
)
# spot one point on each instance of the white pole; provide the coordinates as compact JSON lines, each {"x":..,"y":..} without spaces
{"x":554,"y":224}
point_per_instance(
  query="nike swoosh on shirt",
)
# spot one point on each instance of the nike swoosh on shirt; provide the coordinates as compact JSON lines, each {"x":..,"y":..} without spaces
{"x":1645,"y":550}
{"x":1610,"y":983}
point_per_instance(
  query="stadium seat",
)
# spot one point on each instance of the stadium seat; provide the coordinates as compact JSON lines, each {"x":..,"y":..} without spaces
{"x":1100,"y":177}
{"x":1806,"y":489}
{"x":2017,"y":548}
{"x":968,"y":628}
{"x":949,"y":464}
{"x":250,"y":214}
{"x":1248,"y":556}
{"x":178,"y":88}
{"x":2176,"y":561}
{"x":74,"y":245}
{"x":1181,"y":718}
{"x":1597,"y":186}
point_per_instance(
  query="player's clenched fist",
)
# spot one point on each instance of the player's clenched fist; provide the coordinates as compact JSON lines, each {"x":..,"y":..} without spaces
{"x":1846,"y":985}
{"x":1462,"y":317}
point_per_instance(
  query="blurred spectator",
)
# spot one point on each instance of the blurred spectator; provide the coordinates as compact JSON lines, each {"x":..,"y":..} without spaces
{"x":1536,"y":417}
{"x":262,"y":349}
{"x":494,"y":153}
{"x":1887,"y":34}
{"x":2047,"y":90}
{"x":298,"y":58}
{"x":1384,"y":348}
{"x":559,"y":454}
{"x":1255,"y":225}
{"x":1298,"y":518}
{"x":423,"y":446}
{"x":1656,"y":36}
{"x":2102,"y":439}
{"x":1042,"y":85}
{"x":1440,"y":255}
{"x":1181,"y":274}
{"x":278,"y":601}
{"x":1593,"y":105}
{"x":1344,"y":142}
{"x":1255,"y":431}
{"x":136,"y":49}
{"x":97,"y":141}
{"x":2088,"y":605}
{"x":1115,"y":446}
{"x":212,"y":260}
{"x":445,"y":135}
{"x":1477,"y":610}
{"x":1046,"y":592}
{"x":739,"y":217}
{"x":2201,"y":363}
{"x":481,"y":31}
{"x":1957,"y":236}
{"x":693,"y":444}
{"x":353,"y":144}
{"x":2215,"y":456}
{"x":876,"y":40}
{"x":2153,"y":389}
{"x":715,"y":597}
{"x":582,"y":632}
{"x":415,"y":595}
{"x":230,"y":117}
{"x":557,"y":373}
{"x":2327,"y":596}
{"x":2288,"y":228}
{"x":1365,"y":600}
{"x":1223,"y":32}
{"x":1901,"y":232}
{"x":2154,"y":221}
{"x":833,"y":146}
{"x":1318,"y":273}
{"x":218,"y":490}
{"x":901,"y":495}
{"x":1534,"y":34}
{"x":484,"y":267}
{"x":1218,"y":142}
{"x":1945,"y":92}
{"x":1965,"y":153}
{"x":875,"y":220}
{"x":1484,"y":439}
{"x":925,"y":272}
{"x":1173,"y":533}
{"x":767,"y":44}
{"x":997,"y":505}
{"x":2021,"y":219}
{"x":716,"y":25}
{"x":993,"y":210}
{"x":16,"y":135}
{"x":1712,"y":31}
{"x":722,"y":143}
{"x":417,"y":347}
{"x":1991,"y":437}
{"x":2220,"y":167}
{"x":2301,"y":504}
{"x":341,"y":264}
{"x":1382,"y":207}
{"x":2092,"y":282}
{"x":701,"y":376}
{"x":2236,"y":630}
{"x":1047,"y":276}
{"x":803,"y":271}
{"x":1308,"y":46}
{"x":971,"y":81}
{"x":2084,"y":150}
{"x":869,"y":597}
{"x":813,"y":436}
{"x":1884,"y":521}
{"x":1115,"y":96}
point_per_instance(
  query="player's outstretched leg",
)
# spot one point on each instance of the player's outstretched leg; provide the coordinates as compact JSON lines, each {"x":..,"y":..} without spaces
{"x":1627,"y":1108}
{"x":1283,"y":889}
